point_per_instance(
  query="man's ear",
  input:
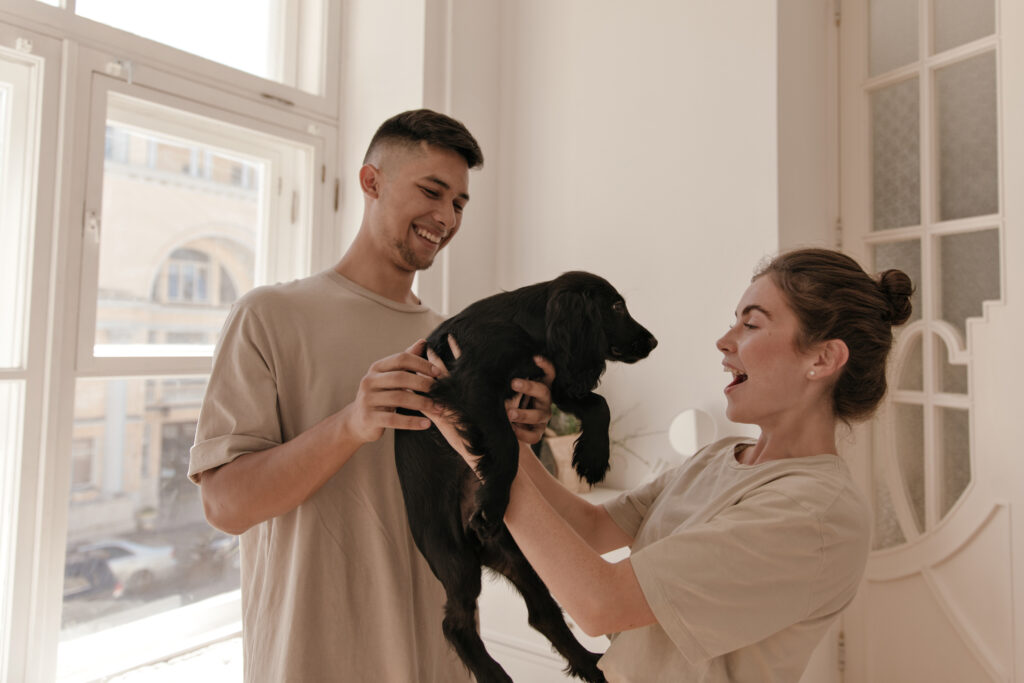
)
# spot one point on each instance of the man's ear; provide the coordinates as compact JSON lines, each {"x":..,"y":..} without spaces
{"x":829,"y":359}
{"x":369,"y":180}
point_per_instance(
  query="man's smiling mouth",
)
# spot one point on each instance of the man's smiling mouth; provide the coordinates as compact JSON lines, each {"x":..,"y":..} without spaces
{"x":427,"y":235}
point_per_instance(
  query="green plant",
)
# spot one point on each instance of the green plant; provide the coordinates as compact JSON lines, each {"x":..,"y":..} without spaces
{"x":563,"y":423}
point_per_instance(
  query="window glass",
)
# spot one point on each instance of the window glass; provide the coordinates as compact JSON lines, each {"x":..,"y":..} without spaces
{"x":896,"y":155}
{"x":968,"y":138}
{"x":12,"y":397}
{"x":238,"y":33}
{"x":893,"y":41}
{"x":138,"y":543}
{"x":181,"y":220}
{"x":961,"y":21}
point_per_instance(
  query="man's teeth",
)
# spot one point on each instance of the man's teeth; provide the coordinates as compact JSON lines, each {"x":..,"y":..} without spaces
{"x":436,"y":239}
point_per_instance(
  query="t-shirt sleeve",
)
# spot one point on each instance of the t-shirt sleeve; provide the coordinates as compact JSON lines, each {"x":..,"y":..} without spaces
{"x":239,"y":412}
{"x":629,"y":509}
{"x":736,"y":579}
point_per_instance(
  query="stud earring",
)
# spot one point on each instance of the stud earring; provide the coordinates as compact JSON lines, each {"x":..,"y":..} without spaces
{"x":811,"y":373}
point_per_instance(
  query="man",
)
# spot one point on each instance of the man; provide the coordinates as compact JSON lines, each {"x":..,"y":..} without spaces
{"x":295,"y":449}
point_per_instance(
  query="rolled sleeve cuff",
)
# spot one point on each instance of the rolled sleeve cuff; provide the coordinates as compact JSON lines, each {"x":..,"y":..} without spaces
{"x":221,"y":450}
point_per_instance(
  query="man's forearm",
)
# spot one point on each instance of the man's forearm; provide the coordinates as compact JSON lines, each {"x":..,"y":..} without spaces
{"x":261,"y":485}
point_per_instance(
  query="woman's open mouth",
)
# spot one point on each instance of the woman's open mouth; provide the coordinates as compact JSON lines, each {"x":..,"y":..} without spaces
{"x":737,"y":378}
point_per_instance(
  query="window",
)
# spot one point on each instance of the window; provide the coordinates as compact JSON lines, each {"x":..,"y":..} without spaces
{"x":936,"y":215}
{"x":178,"y":197}
{"x":272,"y":39}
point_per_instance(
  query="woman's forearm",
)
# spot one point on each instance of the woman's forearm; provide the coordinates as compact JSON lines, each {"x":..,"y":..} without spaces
{"x":590,"y":521}
{"x":603,"y":597}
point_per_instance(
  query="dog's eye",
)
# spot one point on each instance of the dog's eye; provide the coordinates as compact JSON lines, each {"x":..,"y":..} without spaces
{"x":619,"y":307}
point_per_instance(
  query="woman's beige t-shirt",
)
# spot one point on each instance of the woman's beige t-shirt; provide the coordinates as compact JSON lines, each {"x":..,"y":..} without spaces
{"x":334,"y":590}
{"x":744,"y":566}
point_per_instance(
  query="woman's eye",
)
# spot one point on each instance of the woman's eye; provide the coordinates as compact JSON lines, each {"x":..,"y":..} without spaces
{"x":749,"y":326}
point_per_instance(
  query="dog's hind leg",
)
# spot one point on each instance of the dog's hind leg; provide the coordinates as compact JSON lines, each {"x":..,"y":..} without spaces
{"x":460,"y":575}
{"x":503,"y":555}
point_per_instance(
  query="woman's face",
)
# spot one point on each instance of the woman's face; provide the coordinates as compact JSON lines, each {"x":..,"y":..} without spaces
{"x":770,"y":373}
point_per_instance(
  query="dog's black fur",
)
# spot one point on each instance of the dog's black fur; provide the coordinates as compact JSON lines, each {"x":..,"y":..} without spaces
{"x":579,"y":322}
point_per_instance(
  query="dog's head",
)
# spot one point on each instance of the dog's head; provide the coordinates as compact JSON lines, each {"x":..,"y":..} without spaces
{"x":587,"y":324}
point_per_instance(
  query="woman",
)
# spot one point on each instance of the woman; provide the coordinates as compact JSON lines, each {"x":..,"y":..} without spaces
{"x":742,"y":556}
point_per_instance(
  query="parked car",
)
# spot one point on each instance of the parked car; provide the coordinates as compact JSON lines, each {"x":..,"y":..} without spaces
{"x":89,"y":577}
{"x":137,"y":566}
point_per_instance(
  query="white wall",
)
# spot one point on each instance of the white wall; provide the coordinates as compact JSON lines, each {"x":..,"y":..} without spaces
{"x":638,"y":141}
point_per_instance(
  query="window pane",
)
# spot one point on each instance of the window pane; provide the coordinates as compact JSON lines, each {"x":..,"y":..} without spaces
{"x":11,"y":419}
{"x":169,"y":232}
{"x":896,"y":152}
{"x":912,"y":373}
{"x":952,"y":379}
{"x":909,"y":425}
{"x":970,"y":273}
{"x":238,"y":33}
{"x":956,"y":455}
{"x":137,"y":540}
{"x":18,"y":154}
{"x":961,"y":21}
{"x":893,"y":41}
{"x":906,"y":256}
{"x":887,"y":532}
{"x":965,"y":99}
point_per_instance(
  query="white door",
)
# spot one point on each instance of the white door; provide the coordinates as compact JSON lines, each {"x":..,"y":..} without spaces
{"x":932,"y":154}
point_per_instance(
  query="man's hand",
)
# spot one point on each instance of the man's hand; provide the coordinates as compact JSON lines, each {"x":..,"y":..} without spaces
{"x":389,"y":384}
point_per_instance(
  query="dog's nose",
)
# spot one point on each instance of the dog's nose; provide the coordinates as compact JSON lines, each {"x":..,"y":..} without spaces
{"x":652,"y":342}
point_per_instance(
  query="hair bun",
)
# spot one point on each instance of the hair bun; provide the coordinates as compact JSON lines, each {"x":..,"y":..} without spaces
{"x":897,"y":288}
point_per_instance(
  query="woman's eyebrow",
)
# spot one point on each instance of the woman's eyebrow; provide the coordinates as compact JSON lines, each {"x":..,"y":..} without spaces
{"x":756,"y":307}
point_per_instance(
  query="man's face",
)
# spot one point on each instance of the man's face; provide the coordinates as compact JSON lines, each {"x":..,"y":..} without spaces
{"x":421,"y":193}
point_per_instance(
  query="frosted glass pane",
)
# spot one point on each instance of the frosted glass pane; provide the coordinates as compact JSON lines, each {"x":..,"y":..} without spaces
{"x":893,"y":41}
{"x":961,"y":21}
{"x":956,"y":455}
{"x":965,"y":103}
{"x":909,"y":425}
{"x":912,"y":373}
{"x":887,"y":531}
{"x":906,"y":256}
{"x":952,"y":379}
{"x":137,"y":541}
{"x":970,"y":274}
{"x":895,"y":156}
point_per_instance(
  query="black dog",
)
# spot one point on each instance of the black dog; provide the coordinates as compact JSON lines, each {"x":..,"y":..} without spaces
{"x":579,"y":322}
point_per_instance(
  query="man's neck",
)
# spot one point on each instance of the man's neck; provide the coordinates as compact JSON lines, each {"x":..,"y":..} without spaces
{"x":383,"y":279}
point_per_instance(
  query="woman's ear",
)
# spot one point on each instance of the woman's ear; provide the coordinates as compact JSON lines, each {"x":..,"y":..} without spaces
{"x":829,"y":359}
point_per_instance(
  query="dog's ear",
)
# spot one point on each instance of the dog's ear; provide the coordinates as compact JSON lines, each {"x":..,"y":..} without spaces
{"x":575,"y":341}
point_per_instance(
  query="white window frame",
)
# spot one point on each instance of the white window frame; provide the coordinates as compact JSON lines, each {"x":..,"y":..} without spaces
{"x":305,"y":30}
{"x":58,"y":352}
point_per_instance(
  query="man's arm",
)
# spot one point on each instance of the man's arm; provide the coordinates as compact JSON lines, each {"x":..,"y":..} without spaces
{"x":261,"y":485}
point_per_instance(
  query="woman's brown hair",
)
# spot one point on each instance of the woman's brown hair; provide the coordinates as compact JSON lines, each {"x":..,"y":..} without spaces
{"x":834,"y":298}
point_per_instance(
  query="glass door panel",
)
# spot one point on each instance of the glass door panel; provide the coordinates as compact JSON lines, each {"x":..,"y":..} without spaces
{"x":896,"y":155}
{"x":967,"y":139}
{"x":961,"y":21}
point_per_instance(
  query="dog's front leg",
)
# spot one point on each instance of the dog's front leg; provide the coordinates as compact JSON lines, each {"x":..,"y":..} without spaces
{"x":497,"y":467}
{"x":591,"y":456}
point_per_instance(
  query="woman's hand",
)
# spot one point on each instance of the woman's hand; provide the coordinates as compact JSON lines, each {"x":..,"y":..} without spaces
{"x":529,"y":410}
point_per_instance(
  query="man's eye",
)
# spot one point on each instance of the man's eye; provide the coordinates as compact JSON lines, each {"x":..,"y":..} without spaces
{"x":430,"y":193}
{"x":458,"y":208}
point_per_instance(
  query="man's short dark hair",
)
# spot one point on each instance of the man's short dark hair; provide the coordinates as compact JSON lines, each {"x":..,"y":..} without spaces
{"x":425,"y":125}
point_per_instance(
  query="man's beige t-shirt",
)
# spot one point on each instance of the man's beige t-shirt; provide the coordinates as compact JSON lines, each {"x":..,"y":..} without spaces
{"x":334,"y":590}
{"x":744,"y":566}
